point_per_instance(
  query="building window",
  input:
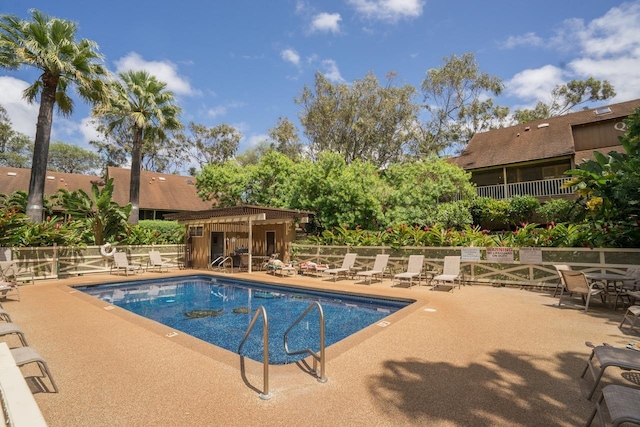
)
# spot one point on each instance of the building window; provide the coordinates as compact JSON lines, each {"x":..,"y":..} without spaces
{"x":196,"y":231}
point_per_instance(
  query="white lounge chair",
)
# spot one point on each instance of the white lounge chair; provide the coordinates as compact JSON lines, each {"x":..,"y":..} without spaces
{"x":379,"y":266}
{"x":414,"y":269}
{"x":120,"y":262}
{"x":25,"y":355}
{"x":347,"y":264}
{"x":155,"y":261}
{"x":450,"y":273}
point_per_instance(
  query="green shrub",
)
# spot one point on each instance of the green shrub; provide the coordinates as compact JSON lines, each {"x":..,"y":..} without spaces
{"x":559,"y":210}
{"x":454,"y":215}
{"x":522,"y":209}
{"x":490,"y":214}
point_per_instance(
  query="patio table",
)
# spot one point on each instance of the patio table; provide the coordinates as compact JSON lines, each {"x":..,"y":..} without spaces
{"x":612,"y":281}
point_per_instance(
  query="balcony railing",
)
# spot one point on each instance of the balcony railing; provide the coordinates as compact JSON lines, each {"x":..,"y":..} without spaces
{"x":541,"y":188}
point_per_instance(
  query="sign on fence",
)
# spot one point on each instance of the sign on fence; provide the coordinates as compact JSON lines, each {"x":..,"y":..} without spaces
{"x":470,"y":254}
{"x":500,"y":254}
{"x":530,"y":255}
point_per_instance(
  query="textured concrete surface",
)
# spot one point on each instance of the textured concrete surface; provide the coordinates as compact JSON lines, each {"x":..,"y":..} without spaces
{"x":477,"y":356}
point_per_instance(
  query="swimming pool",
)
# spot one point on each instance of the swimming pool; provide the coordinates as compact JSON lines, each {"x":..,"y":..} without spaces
{"x":219,"y":310}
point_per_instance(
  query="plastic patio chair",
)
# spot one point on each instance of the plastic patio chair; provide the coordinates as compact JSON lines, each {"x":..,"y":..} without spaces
{"x":576,"y":282}
{"x":379,"y":266}
{"x":414,"y":270}
{"x":450,"y":273}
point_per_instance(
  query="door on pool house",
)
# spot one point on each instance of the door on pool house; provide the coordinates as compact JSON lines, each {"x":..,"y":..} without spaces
{"x":217,"y":245}
{"x":271,"y":242}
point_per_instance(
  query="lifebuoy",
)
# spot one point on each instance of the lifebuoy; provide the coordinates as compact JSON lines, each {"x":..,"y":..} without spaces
{"x":104,"y":250}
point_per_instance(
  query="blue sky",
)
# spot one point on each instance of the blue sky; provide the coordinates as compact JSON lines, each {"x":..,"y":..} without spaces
{"x":244,"y":62}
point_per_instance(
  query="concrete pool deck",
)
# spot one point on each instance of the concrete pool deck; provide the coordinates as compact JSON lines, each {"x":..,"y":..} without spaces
{"x":477,"y":356}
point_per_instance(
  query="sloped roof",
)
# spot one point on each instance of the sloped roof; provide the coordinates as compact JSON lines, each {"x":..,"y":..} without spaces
{"x":158,"y":191}
{"x":241,"y":211}
{"x":538,"y":140}
{"x":17,"y":179}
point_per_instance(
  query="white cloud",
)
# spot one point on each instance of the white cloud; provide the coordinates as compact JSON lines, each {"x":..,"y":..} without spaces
{"x":217,"y":111}
{"x":609,"y":48}
{"x":326,"y":22}
{"x":165,"y":71}
{"x":255,"y":139}
{"x":23,"y":115}
{"x":535,"y":84}
{"x":606,"y":48}
{"x":388,"y":10}
{"x":88,"y":129}
{"x":290,"y":55}
{"x":528,"y":39}
{"x":331,"y":71}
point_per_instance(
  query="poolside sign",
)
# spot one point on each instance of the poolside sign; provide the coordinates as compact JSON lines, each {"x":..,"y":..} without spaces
{"x":500,"y":254}
{"x":530,"y":255}
{"x":470,"y":254}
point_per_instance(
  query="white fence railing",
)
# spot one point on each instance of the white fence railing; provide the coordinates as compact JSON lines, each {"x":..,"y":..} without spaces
{"x":540,"y":188}
{"x":62,"y":261}
{"x":601,"y":260}
{"x":55,"y":262}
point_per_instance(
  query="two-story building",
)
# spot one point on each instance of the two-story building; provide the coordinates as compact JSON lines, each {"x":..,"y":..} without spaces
{"x":530,"y":159}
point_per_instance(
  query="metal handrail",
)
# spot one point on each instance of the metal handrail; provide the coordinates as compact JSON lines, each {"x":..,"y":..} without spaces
{"x":316,"y":357}
{"x":265,"y":342}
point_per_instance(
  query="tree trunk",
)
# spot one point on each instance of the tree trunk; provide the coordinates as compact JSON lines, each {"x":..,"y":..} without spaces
{"x":134,"y":186}
{"x":35,"y":200}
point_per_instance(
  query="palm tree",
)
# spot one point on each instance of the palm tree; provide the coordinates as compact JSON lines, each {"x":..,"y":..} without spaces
{"x":49,"y":45}
{"x":140,"y":103}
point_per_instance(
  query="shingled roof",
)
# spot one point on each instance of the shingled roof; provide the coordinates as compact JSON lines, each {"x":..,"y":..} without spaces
{"x":17,"y":179}
{"x":158,"y":191}
{"x":538,"y":140}
{"x":241,"y":211}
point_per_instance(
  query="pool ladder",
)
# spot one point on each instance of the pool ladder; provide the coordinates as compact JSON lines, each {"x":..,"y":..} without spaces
{"x":317,"y":357}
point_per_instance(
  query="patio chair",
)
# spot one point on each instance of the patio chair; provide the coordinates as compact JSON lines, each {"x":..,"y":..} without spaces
{"x":632,"y":315}
{"x":379,"y":266}
{"x":576,"y":282}
{"x":560,"y":284}
{"x":347,"y":264}
{"x":622,"y":402}
{"x":155,"y":261}
{"x":120,"y":262}
{"x":220,"y":264}
{"x":26,"y":355}
{"x":4,"y":315}
{"x":414,"y":269}
{"x":606,"y":356}
{"x":11,"y":329}
{"x":310,"y":267}
{"x":7,"y":286}
{"x":274,"y":256}
{"x":450,"y":274}
{"x":277,"y":265}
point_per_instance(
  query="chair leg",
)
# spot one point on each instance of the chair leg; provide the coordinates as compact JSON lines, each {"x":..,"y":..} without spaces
{"x":45,"y":370}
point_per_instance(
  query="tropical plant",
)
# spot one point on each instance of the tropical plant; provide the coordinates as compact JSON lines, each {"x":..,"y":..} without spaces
{"x":49,"y":45}
{"x":98,"y":212}
{"x":140,"y":104}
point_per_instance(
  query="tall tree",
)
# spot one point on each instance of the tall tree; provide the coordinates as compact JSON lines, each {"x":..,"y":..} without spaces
{"x":564,"y":98}
{"x":457,"y":99}
{"x":70,"y":158}
{"x":285,"y":135}
{"x":49,"y":44}
{"x":214,"y":145}
{"x":139,"y":103}
{"x":362,"y":120}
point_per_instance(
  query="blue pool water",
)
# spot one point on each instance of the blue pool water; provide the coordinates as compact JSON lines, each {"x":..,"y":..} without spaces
{"x":219,"y":310}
